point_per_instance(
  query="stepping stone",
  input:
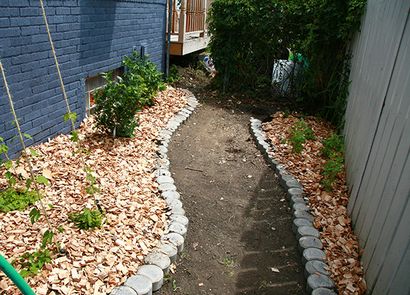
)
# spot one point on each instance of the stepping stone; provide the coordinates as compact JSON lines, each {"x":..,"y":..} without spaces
{"x":165,"y":179}
{"x":295,"y":191}
{"x":178,"y":228}
{"x":307,"y":231}
{"x":169,"y":249}
{"x":178,"y":211}
{"x":174,"y":203}
{"x":293,"y":183}
{"x":180,"y":219}
{"x":313,"y":254}
{"x":303,"y":214}
{"x":123,"y":290}
{"x":154,"y":273}
{"x":171,"y":195}
{"x":140,"y":284}
{"x":297,"y":199}
{"x":309,"y":242}
{"x":323,"y":291}
{"x":297,"y":222}
{"x":175,"y":239}
{"x":167,"y":187}
{"x":159,"y":259}
{"x":316,"y":281}
{"x":316,"y":266}
{"x":300,"y":207}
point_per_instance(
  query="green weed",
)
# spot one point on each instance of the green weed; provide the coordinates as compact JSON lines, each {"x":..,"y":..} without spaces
{"x":87,"y":219}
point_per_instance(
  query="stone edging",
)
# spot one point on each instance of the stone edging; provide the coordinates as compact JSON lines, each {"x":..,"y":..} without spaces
{"x":150,"y":276}
{"x":310,"y":246}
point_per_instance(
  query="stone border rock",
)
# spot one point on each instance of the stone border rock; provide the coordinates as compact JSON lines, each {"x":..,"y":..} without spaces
{"x":150,"y":276}
{"x":310,"y":246}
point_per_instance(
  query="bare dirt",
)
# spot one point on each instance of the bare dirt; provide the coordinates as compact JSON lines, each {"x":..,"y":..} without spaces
{"x":239,"y":237}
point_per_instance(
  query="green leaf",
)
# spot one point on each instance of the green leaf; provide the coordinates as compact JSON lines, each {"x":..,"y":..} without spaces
{"x":34,"y":215}
{"x":28,"y":136}
{"x":74,"y":136}
{"x":33,"y":152}
{"x":47,"y":238}
{"x":42,"y":180}
{"x":28,"y":183}
{"x":70,"y":116}
{"x":60,"y":229}
{"x":8,"y":164}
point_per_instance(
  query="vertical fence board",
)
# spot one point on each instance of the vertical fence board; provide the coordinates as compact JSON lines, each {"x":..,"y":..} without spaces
{"x":377,"y":138}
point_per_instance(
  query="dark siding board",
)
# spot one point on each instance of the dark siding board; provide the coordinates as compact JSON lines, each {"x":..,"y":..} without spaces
{"x":90,"y":37}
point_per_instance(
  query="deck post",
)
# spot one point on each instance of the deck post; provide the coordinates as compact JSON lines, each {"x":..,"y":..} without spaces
{"x":182,"y":22}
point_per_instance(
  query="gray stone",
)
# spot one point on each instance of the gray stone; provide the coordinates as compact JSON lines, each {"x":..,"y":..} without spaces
{"x":175,"y":239}
{"x":140,"y":284}
{"x":177,"y":211}
{"x":303,"y":214}
{"x":123,"y":290}
{"x":295,"y":191}
{"x":279,"y":168}
{"x":162,"y":149}
{"x":316,"y":266}
{"x":159,"y":259}
{"x":284,"y":177}
{"x":309,"y":242}
{"x":165,"y":179}
{"x":293,"y":183}
{"x":313,"y":254}
{"x":154,"y":273}
{"x":273,"y":161}
{"x":178,"y":228}
{"x":169,"y":249}
{"x":296,"y":199}
{"x":305,"y":230}
{"x":323,"y":291}
{"x":180,"y":219}
{"x":265,"y":145}
{"x":174,"y":203}
{"x":297,"y":222}
{"x":171,"y":195}
{"x":167,"y":187}
{"x":316,"y":281}
{"x":300,"y":207}
{"x":162,"y":172}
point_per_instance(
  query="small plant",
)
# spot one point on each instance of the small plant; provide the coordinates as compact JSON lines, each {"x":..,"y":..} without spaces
{"x":87,"y":219}
{"x":330,"y":171}
{"x":117,"y":104}
{"x":332,"y":144}
{"x":173,"y":74}
{"x":32,"y":263}
{"x":13,"y":199}
{"x":299,"y":133}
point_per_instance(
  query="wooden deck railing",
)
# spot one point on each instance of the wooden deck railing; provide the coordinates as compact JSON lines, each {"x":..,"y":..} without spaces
{"x":188,"y":17}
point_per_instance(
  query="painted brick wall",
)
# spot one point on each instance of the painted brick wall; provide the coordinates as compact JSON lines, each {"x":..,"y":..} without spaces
{"x":91,"y":36}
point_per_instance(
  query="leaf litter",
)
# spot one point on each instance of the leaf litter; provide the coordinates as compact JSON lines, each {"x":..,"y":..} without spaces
{"x":329,"y":208}
{"x":98,"y":260}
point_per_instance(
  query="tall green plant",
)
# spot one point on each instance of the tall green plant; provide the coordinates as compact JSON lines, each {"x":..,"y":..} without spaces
{"x":118,"y":102}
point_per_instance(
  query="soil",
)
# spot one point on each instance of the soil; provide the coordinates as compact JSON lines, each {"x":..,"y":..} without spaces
{"x":239,"y":238}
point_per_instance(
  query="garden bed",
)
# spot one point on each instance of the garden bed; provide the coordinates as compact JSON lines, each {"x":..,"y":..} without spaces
{"x":327,"y":199}
{"x":94,"y":261}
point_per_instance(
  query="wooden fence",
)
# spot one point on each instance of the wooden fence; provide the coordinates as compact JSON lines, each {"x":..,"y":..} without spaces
{"x":377,"y":136}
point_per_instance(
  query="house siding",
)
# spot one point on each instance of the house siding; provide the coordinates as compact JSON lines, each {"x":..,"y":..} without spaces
{"x":90,"y":36}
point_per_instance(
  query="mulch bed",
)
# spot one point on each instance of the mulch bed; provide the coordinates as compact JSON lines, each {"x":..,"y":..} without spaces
{"x":96,"y":260}
{"x":329,"y":208}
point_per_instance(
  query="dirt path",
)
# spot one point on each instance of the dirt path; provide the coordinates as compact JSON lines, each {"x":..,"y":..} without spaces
{"x":239,"y":238}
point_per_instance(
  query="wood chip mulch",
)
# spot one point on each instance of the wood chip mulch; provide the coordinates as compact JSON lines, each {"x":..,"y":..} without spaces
{"x":96,"y":260}
{"x":329,"y":208}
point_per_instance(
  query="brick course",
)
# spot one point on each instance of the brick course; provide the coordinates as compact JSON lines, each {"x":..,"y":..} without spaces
{"x":91,"y":37}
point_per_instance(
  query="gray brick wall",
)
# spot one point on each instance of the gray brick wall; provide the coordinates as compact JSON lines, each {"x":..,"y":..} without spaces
{"x":91,"y":36}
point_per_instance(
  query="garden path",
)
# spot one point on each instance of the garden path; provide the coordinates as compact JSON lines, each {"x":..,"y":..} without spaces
{"x":239,"y":239}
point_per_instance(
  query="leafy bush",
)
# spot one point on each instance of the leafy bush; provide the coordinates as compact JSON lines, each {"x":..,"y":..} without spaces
{"x":32,"y":263}
{"x":299,"y":133}
{"x":87,"y":219}
{"x":248,"y":35}
{"x":333,"y":144}
{"x":13,"y":199}
{"x":117,"y":104}
{"x":330,"y":171}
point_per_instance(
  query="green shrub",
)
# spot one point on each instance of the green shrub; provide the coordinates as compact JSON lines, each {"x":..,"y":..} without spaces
{"x":117,"y":104}
{"x":13,"y":199}
{"x":330,"y":171}
{"x":32,"y":263}
{"x":332,"y":144}
{"x":247,"y":36}
{"x":299,"y":133}
{"x":87,"y":219}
